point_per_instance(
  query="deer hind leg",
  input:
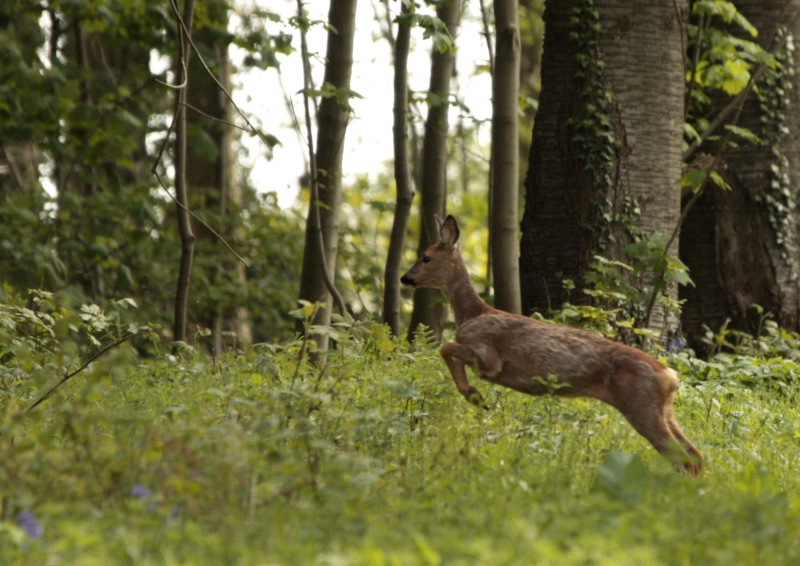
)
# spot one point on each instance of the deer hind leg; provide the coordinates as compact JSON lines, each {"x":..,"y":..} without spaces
{"x":695,"y":462}
{"x":648,"y":407}
{"x":457,"y":357}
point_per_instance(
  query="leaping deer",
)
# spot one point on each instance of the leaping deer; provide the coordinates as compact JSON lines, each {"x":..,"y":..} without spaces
{"x":513,"y":351}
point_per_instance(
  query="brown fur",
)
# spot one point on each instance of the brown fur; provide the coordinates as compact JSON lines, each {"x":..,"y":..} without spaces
{"x":513,"y":351}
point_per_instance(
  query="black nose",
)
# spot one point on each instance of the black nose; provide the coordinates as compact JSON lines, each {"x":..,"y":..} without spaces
{"x":406,"y":280}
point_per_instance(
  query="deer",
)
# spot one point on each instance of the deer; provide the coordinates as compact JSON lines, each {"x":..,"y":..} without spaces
{"x":523,"y":353}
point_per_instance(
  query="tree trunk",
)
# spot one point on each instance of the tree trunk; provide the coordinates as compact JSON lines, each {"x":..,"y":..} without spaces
{"x":429,"y":307}
{"x":212,"y":181}
{"x":606,"y":143}
{"x":505,"y":159}
{"x":402,"y":175}
{"x":741,"y":246}
{"x":332,"y":126}
{"x":181,"y":206}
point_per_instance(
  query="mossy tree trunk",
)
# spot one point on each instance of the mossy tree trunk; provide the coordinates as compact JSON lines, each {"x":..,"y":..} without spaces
{"x":741,"y":246}
{"x":606,"y":149}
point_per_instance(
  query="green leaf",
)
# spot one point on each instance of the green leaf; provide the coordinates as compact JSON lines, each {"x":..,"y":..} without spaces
{"x":694,"y":179}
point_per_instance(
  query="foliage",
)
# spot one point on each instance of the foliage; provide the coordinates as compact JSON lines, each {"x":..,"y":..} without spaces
{"x":721,"y":62}
{"x":621,"y":292}
{"x":373,"y":458}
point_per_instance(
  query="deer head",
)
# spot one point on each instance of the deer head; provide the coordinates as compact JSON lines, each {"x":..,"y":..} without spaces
{"x":437,"y":265}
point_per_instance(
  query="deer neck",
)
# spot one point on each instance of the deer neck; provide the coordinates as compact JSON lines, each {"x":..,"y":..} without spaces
{"x":464,"y":299}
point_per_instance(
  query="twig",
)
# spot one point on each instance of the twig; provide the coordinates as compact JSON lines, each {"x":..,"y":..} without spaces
{"x":219,"y":84}
{"x":200,"y":220}
{"x":84,"y":366}
{"x":214,"y":118}
{"x":487,"y":35}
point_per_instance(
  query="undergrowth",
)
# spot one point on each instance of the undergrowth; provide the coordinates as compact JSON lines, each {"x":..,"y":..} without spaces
{"x":260,"y":457}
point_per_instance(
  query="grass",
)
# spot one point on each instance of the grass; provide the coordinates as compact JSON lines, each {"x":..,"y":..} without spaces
{"x":260,"y":458}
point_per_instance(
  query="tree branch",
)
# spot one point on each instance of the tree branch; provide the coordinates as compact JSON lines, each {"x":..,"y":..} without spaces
{"x":84,"y":366}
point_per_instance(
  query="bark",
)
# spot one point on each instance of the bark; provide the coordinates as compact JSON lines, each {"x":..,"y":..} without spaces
{"x":641,"y":47}
{"x":505,"y":159}
{"x":19,"y":167}
{"x":429,"y":309}
{"x":181,"y":207}
{"x":402,"y":175}
{"x":19,"y":159}
{"x":531,"y":40}
{"x":211,"y":178}
{"x":729,"y":239}
{"x":487,"y":35}
{"x":332,"y":125}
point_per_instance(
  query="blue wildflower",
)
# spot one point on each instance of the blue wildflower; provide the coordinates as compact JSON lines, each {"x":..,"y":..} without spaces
{"x":27,"y":521}
{"x":140,"y":492}
{"x":676,"y":344}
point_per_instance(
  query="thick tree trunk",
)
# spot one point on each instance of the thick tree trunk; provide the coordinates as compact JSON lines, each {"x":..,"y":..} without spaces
{"x":741,"y":246}
{"x":429,"y":308}
{"x":504,"y":225}
{"x":332,"y":126}
{"x":629,"y":157}
{"x":402,"y":175}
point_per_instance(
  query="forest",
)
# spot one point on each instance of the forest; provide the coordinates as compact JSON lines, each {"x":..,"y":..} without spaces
{"x":194,"y":372}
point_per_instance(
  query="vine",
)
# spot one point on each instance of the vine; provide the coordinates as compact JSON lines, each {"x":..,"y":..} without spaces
{"x":593,"y":136}
{"x":779,"y":200}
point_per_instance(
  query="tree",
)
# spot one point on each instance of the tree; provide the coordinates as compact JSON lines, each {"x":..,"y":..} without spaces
{"x":402,"y":173}
{"x":741,"y":246}
{"x":334,"y":112}
{"x":19,"y":157}
{"x":181,"y":191}
{"x":215,"y":193}
{"x":606,"y":154}
{"x":428,"y":303}
{"x":505,"y":159}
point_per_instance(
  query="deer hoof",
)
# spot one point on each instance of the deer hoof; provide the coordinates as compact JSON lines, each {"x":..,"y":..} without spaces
{"x":475,"y":398}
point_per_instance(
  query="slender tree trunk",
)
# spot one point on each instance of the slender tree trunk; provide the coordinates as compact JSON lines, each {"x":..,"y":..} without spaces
{"x":332,"y":126}
{"x":429,"y":303}
{"x":487,"y":35}
{"x":505,"y":159}
{"x":606,"y":143}
{"x":181,"y":208}
{"x":741,"y":246}
{"x":402,"y":175}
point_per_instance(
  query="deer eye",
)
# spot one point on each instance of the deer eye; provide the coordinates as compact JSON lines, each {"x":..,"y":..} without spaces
{"x":425,"y":259}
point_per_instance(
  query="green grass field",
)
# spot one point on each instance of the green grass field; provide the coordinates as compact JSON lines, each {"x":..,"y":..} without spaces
{"x":260,"y":458}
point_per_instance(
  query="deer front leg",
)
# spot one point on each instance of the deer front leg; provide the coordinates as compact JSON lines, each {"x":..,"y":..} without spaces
{"x":457,"y":356}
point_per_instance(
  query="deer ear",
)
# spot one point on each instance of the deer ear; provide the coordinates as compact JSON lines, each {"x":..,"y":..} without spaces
{"x":448,"y":231}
